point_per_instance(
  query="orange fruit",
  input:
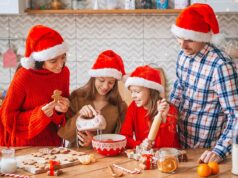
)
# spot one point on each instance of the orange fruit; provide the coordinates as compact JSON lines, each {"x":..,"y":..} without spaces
{"x":169,"y":164}
{"x":204,"y":170}
{"x":214,"y":167}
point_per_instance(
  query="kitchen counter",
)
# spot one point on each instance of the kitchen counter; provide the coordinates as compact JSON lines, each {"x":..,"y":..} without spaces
{"x":100,"y":168}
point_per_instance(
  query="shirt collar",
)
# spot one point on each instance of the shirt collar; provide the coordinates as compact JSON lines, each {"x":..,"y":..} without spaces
{"x":198,"y":56}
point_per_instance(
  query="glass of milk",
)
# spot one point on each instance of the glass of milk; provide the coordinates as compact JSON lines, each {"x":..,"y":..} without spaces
{"x":8,"y":162}
{"x":235,"y":149}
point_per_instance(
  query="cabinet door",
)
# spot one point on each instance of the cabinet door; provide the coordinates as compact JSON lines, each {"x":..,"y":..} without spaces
{"x":220,"y":5}
{"x":12,"y":6}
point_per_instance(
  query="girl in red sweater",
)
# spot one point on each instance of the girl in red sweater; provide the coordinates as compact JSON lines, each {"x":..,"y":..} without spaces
{"x":145,"y":87}
{"x":29,"y":115}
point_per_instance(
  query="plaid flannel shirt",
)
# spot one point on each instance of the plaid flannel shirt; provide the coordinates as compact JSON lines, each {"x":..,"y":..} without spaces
{"x":206,"y":94}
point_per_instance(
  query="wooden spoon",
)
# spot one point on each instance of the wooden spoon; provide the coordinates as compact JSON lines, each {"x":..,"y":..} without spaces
{"x":113,"y":172}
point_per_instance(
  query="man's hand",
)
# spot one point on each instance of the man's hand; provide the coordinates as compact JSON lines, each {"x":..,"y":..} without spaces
{"x":209,"y":156}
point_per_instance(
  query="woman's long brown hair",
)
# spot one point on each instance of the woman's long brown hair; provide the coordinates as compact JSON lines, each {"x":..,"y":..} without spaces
{"x":113,"y":96}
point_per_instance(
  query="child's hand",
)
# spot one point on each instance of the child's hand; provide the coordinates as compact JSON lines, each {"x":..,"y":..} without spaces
{"x":87,"y":111}
{"x":48,"y":109}
{"x":147,"y":144}
{"x":84,"y":138}
{"x":62,"y":105}
{"x":163,"y":107}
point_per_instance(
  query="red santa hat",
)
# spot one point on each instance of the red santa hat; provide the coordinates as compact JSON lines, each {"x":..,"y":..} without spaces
{"x":42,"y":43}
{"x":108,"y":64}
{"x":197,"y":22}
{"x":145,"y":76}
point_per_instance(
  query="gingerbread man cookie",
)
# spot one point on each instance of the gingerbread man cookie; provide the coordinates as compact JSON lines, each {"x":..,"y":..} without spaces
{"x":49,"y":157}
{"x":78,"y":153}
{"x":37,"y":154}
{"x":70,"y":159}
{"x":40,"y":166}
{"x":29,"y":162}
{"x":56,"y":95}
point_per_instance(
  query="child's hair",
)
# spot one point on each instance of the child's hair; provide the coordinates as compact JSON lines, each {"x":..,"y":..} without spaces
{"x":113,"y":96}
{"x":152,"y":103}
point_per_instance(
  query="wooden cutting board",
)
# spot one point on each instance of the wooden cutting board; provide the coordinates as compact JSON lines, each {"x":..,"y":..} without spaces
{"x":38,"y":162}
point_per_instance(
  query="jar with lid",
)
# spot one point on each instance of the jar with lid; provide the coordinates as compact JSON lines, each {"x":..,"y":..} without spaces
{"x":235,"y":149}
{"x":8,"y":162}
{"x":168,"y":160}
{"x":56,"y":4}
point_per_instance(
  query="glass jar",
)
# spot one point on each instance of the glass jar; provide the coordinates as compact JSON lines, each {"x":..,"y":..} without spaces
{"x":56,"y":4}
{"x":168,"y":160}
{"x":8,"y":162}
{"x":235,"y":149}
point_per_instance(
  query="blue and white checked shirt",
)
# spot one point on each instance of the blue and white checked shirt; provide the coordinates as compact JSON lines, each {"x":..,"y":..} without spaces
{"x":206,"y":94}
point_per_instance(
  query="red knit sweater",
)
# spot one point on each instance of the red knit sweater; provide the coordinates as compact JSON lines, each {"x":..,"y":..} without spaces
{"x":138,"y":124}
{"x":22,"y":121}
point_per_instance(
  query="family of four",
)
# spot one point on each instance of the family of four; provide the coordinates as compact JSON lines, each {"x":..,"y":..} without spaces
{"x":200,"y":113}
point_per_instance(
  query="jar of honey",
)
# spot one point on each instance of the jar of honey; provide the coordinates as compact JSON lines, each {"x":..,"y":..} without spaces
{"x":168,"y":160}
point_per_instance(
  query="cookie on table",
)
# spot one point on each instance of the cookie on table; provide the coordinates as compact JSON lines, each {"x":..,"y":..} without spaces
{"x":78,"y":153}
{"x":29,"y":162}
{"x":40,"y":166}
{"x":70,"y":159}
{"x":49,"y":157}
{"x":37,"y":154}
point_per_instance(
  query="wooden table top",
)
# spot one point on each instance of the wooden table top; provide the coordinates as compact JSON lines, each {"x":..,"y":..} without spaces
{"x":100,"y":168}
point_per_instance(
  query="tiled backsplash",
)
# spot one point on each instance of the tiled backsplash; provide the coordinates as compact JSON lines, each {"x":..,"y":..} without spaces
{"x":139,"y":39}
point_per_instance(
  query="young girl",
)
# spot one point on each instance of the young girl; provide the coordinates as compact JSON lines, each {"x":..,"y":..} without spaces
{"x":28,"y":115}
{"x":99,"y":95}
{"x":145,"y":87}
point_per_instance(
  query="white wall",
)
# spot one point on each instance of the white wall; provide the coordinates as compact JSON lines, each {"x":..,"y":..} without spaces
{"x":141,"y":39}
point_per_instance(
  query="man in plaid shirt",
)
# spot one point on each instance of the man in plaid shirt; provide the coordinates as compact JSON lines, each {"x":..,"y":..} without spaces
{"x":206,"y":89}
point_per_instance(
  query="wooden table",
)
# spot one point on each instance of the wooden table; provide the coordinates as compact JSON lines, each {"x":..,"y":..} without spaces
{"x":100,"y":169}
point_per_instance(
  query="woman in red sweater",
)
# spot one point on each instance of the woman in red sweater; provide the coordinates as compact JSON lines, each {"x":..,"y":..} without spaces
{"x":145,"y":87}
{"x":29,"y":115}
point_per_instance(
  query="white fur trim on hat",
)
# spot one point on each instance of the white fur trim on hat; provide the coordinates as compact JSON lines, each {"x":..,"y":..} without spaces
{"x":190,"y":34}
{"x":106,"y":72}
{"x":27,"y":62}
{"x":50,"y":53}
{"x":138,"y":81}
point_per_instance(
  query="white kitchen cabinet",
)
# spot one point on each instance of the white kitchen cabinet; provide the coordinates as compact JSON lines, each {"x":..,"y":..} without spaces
{"x":12,"y":6}
{"x":221,"y":5}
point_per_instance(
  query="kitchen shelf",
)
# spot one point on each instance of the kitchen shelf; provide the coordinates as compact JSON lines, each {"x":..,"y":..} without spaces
{"x":114,"y":11}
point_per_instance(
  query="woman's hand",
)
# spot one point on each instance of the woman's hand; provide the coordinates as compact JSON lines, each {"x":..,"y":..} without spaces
{"x":84,"y":138}
{"x":62,"y":105}
{"x":87,"y":111}
{"x":209,"y":156}
{"x":48,"y":109}
{"x":163,"y":107}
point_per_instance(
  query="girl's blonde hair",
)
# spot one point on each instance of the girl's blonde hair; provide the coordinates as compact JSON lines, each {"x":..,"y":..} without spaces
{"x":152,"y":103}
